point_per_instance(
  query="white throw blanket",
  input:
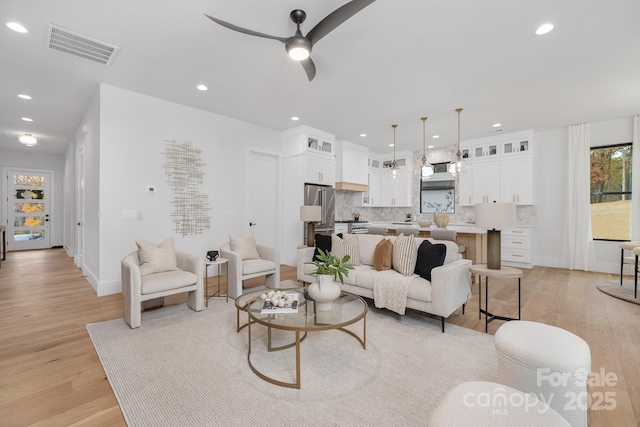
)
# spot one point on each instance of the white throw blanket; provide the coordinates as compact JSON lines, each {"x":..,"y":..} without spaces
{"x":390,"y":290}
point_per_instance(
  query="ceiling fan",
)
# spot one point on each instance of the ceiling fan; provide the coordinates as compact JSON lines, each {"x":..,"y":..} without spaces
{"x":299,"y":46}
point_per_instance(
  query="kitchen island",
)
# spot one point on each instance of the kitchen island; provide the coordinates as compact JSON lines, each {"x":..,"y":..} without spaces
{"x":474,"y":238}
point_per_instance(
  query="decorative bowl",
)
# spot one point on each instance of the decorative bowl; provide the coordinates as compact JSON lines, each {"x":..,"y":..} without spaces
{"x":424,"y":223}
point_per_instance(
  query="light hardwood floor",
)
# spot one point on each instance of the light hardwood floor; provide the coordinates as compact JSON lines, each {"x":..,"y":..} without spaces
{"x":50,"y":374}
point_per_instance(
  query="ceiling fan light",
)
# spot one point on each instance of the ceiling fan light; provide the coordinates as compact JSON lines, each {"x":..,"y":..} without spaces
{"x":298,"y":47}
{"x":28,"y":139}
{"x":298,"y":53}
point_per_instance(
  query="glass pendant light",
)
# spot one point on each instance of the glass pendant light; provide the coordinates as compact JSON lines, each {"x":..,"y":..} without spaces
{"x":427,"y":169}
{"x":456,"y":165}
{"x":394,"y":166}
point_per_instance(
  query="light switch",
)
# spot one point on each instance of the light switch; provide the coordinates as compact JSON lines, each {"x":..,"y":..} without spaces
{"x":139,"y":214}
{"x":229,"y":214}
{"x":129,"y":214}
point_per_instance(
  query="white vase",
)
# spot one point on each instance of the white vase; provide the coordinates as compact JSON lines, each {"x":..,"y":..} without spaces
{"x":441,"y":219}
{"x":324,"y":292}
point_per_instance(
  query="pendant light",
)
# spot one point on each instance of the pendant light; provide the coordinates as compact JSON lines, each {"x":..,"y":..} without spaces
{"x":427,"y":169}
{"x":394,"y":166}
{"x":456,"y":165}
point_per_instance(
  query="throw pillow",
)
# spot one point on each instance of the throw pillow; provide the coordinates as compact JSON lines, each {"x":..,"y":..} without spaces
{"x":244,"y":246}
{"x":429,"y":257}
{"x":403,"y":257}
{"x":382,"y":255}
{"x":347,"y":246}
{"x":323,"y":242}
{"x":156,"y":259}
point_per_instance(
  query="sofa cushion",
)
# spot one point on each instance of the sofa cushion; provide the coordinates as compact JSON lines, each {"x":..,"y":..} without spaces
{"x":244,"y":246}
{"x":364,"y":276}
{"x":429,"y":256}
{"x":452,"y":249}
{"x":404,"y":254}
{"x":382,"y":255}
{"x":347,"y":246}
{"x":419,"y":289}
{"x":159,"y":282}
{"x":156,"y":259}
{"x":367,"y":244}
{"x":252,"y":266}
{"x":323,"y":242}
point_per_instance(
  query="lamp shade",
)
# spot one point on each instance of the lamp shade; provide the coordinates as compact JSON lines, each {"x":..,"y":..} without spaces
{"x":310,"y":213}
{"x":495,"y":216}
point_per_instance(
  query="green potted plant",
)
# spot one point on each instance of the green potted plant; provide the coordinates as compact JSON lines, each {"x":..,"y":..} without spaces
{"x":329,"y":269}
{"x":330,"y":265}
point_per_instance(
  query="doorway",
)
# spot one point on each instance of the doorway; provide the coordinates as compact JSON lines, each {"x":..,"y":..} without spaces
{"x":29,"y":196}
{"x":263,"y":197}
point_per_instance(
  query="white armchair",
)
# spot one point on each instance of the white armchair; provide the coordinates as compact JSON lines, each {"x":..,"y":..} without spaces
{"x":240,"y":270}
{"x":137,"y":288}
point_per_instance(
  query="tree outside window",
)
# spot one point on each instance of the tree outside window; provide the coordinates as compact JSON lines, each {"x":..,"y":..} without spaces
{"x":611,"y":192}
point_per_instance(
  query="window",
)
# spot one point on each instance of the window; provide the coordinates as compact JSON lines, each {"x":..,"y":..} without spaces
{"x":611,"y":192}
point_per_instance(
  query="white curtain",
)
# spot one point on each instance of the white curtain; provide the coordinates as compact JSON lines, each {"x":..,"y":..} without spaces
{"x":635,"y":181}
{"x":577,"y":247}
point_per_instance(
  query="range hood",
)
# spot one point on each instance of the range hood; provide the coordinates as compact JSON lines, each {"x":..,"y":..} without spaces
{"x":439,"y":181}
{"x":351,"y":186}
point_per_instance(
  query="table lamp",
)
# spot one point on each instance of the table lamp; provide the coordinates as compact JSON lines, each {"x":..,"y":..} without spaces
{"x":493,"y":217}
{"x":311,"y":214}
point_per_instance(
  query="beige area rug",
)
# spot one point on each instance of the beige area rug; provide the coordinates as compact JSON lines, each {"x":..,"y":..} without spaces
{"x":624,"y":292}
{"x":183,"y":368}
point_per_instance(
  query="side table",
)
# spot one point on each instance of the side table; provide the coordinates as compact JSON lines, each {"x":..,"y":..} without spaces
{"x":217,"y":262}
{"x":503,"y":273}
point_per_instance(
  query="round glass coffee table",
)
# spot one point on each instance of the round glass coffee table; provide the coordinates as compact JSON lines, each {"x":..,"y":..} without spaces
{"x":347,"y":309}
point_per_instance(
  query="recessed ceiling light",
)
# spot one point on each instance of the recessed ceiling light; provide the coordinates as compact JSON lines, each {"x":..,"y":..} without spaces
{"x":28,"y":139}
{"x":544,"y":29}
{"x":429,"y":146}
{"x":27,"y":119}
{"x":435,"y":136}
{"x":24,"y":96}
{"x":16,"y":27}
{"x":202,"y":87}
{"x":391,"y":145}
{"x":294,"y":118}
{"x":363,"y":135}
{"x":496,"y":125}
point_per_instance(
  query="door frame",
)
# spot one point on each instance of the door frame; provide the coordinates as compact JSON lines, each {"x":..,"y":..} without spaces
{"x":247,"y":182}
{"x":78,"y":224}
{"x":51,"y":203}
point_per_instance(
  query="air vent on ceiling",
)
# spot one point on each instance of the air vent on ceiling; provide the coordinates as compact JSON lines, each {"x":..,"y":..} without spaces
{"x":79,"y":45}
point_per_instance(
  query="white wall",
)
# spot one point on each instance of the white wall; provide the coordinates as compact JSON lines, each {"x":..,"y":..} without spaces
{"x":551,"y":150}
{"x":133,"y":128}
{"x":33,"y":160}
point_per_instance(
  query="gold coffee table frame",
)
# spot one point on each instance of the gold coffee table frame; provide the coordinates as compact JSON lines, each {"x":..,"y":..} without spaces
{"x":347,"y":309}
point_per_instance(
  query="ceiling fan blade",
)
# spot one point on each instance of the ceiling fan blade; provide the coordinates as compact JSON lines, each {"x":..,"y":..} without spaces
{"x":309,"y":67}
{"x":335,"y":18}
{"x":244,"y":30}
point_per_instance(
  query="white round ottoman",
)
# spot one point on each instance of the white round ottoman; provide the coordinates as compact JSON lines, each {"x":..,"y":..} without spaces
{"x":479,"y":403}
{"x":551,"y":362}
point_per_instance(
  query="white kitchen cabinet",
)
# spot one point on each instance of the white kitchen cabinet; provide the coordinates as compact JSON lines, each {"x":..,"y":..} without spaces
{"x":465,"y":185}
{"x":516,"y":247}
{"x":396,"y":192}
{"x":319,"y":168}
{"x":517,"y":180}
{"x":352,"y":169}
{"x":371,"y":197}
{"x":303,"y":139}
{"x":486,"y":182}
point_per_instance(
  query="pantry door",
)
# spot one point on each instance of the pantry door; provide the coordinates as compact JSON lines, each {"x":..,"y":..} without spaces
{"x":29,"y":196}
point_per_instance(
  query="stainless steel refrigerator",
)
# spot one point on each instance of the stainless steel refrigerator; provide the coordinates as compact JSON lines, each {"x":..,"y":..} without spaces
{"x":318,"y":195}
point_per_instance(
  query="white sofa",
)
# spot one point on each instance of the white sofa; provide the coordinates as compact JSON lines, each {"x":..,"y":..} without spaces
{"x":450,"y":285}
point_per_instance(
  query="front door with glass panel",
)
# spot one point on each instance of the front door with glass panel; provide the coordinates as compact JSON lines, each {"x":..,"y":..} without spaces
{"x":28,"y":210}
